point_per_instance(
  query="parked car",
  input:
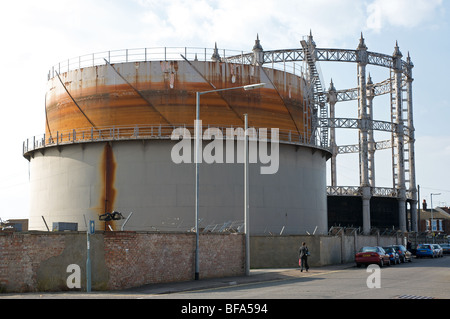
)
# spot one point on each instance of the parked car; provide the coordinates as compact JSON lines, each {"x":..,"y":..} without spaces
{"x":372,"y":255}
{"x":425,"y":250}
{"x":393,"y":255}
{"x":445,"y":248}
{"x":439,"y":250}
{"x":403,"y":253}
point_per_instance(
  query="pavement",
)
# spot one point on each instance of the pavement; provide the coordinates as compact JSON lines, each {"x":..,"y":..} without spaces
{"x":255,"y":276}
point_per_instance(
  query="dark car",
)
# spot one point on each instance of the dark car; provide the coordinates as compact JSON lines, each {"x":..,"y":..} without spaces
{"x":403,"y":253}
{"x":446,"y":248}
{"x":372,"y":255}
{"x":393,"y":255}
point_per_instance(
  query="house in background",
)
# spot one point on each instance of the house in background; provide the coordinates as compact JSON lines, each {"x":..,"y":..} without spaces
{"x":436,"y":220}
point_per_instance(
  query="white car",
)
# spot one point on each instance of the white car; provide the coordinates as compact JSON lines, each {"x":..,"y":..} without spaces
{"x":439,"y":250}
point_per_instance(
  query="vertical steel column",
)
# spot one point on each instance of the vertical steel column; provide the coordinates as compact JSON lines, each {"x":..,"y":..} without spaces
{"x":411,"y":141}
{"x":399,"y":137}
{"x":371,"y":158}
{"x":362,"y":60}
{"x":332,"y":99}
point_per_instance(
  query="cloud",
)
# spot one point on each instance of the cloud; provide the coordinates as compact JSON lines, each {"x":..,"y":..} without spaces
{"x":280,"y":24}
{"x":401,"y":13}
{"x":234,"y":23}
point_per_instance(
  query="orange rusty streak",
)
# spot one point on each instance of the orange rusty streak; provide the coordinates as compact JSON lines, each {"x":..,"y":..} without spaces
{"x":108,"y":193}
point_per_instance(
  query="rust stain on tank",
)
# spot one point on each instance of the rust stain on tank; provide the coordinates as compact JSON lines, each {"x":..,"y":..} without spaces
{"x":168,"y":88}
{"x":108,"y":174}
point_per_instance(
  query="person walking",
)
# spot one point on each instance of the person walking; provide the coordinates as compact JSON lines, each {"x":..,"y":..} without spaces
{"x":303,"y":257}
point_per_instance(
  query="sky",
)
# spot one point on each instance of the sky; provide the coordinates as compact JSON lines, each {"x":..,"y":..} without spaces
{"x":38,"y":34}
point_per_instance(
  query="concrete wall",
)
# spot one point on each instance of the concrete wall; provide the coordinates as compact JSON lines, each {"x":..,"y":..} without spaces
{"x":119,"y":260}
{"x":282,"y":251}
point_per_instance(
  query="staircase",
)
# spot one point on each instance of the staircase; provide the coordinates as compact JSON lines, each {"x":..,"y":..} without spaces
{"x":320,"y":121}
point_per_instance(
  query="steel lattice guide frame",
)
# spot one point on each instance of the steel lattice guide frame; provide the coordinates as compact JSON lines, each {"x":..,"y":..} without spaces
{"x":401,"y":125}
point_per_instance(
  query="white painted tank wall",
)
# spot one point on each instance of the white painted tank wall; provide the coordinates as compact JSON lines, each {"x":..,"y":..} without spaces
{"x":66,"y":183}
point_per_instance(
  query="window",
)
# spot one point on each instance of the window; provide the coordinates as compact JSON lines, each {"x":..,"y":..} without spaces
{"x":434,"y":225}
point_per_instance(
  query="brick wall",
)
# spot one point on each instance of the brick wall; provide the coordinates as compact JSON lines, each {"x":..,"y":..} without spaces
{"x":20,"y":257}
{"x":134,"y":259}
{"x":120,"y":260}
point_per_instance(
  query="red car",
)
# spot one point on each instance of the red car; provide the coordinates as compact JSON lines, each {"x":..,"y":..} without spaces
{"x":372,"y":255}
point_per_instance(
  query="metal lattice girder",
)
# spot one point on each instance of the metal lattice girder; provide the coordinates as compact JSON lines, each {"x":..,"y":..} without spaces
{"x":383,"y":126}
{"x":284,"y":56}
{"x":344,"y":55}
{"x":381,"y":88}
{"x":343,"y":123}
{"x":357,"y":191}
{"x":380,"y":59}
{"x":371,"y":124}
{"x":383,"y":145}
{"x":344,"y":190}
{"x":341,"y":55}
{"x":347,"y":95}
{"x":384,"y":192}
{"x":321,"y":54}
{"x":274,"y":56}
{"x":346,"y":149}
